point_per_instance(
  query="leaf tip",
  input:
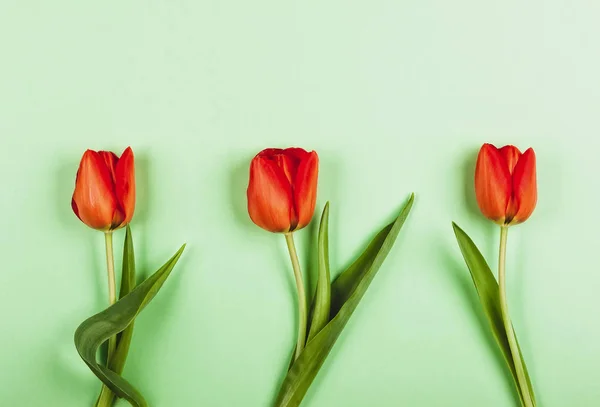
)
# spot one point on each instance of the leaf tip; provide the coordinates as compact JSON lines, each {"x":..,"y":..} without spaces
{"x":325,"y":214}
{"x":456,"y":228}
{"x":411,"y":200}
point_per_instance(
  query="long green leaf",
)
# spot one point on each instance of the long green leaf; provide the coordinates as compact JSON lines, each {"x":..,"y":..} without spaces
{"x":117,"y":361}
{"x":306,"y":367}
{"x":98,"y":328}
{"x":489,"y":296}
{"x":322,"y":304}
{"x":345,"y":284}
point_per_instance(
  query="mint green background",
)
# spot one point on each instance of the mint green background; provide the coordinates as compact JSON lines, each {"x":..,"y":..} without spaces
{"x":395,"y":97}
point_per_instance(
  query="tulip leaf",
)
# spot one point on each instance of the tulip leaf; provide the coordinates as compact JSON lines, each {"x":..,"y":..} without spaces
{"x":115,"y":319}
{"x":117,"y":361}
{"x":322,"y":302}
{"x":353,"y":285}
{"x":489,"y":296}
{"x":345,"y":284}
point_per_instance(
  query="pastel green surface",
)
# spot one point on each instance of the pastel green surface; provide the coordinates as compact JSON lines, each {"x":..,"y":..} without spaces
{"x":395,"y":97}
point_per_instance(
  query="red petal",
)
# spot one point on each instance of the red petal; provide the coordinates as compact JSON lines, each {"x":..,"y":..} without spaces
{"x":74,"y":207}
{"x":270,"y":152}
{"x":269,"y":194}
{"x":93,"y":199}
{"x":288,"y":165}
{"x":111,"y":160}
{"x":125,"y":187}
{"x":293,"y":152}
{"x":297,"y":153}
{"x":305,"y":189}
{"x":525,"y":186}
{"x":492,"y":183}
{"x":511,"y":154}
{"x":118,"y":220}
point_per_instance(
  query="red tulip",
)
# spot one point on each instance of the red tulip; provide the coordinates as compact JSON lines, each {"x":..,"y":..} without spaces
{"x":104,"y":196}
{"x":282,"y":191}
{"x":505,"y":184}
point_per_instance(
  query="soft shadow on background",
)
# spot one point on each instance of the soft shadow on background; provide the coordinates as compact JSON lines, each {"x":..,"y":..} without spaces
{"x":238,"y":183}
{"x":468,"y":175}
{"x":67,"y":376}
{"x":64,"y":179}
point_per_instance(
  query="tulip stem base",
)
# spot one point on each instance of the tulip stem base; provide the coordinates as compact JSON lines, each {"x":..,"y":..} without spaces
{"x":106,"y":398}
{"x":510,"y":333}
{"x":302,"y":308}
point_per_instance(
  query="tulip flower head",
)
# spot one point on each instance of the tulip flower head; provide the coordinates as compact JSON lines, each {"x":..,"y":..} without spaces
{"x":282,"y":190}
{"x":104,"y":196}
{"x":505,"y":184}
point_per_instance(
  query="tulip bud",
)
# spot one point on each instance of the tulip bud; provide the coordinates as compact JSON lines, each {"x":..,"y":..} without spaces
{"x":505,"y":184}
{"x":282,"y":190}
{"x":104,"y":196}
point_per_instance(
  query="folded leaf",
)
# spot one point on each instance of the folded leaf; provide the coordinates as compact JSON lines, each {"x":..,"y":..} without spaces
{"x":489,"y":296}
{"x":97,"y":329}
{"x":322,"y":303}
{"x":306,"y":367}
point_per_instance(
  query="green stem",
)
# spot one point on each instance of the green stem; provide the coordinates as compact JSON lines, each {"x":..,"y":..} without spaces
{"x":302,"y":309}
{"x":112,"y":285}
{"x":106,"y":398}
{"x":512,"y":340}
{"x":106,"y":395}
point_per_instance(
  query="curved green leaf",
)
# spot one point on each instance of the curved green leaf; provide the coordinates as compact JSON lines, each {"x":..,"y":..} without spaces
{"x":322,"y":304}
{"x":489,"y":296}
{"x":306,"y":367}
{"x":97,"y":329}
